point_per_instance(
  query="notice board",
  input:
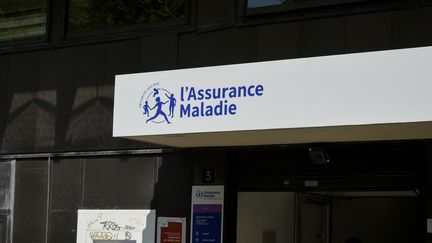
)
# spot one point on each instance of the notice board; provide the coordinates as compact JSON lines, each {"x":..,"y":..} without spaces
{"x":207,"y":214}
{"x":116,"y":226}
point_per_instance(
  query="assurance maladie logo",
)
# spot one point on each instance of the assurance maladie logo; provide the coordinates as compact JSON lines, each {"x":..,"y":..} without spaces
{"x":158,"y":104}
{"x":161,"y":105}
{"x":208,"y":194}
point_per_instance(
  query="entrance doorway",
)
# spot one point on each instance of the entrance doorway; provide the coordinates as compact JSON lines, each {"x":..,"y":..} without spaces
{"x":328,"y":217}
{"x":313,"y":218}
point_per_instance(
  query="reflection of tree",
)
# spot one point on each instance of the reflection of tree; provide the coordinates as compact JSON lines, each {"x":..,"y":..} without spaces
{"x":92,"y":14}
{"x":22,"y":18}
{"x":20,"y":5}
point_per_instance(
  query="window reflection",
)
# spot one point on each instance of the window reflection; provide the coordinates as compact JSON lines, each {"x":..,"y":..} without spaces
{"x":21,"y":19}
{"x":263,"y":3}
{"x":98,"y":14}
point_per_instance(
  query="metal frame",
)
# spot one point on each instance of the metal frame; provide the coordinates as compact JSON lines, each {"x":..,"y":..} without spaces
{"x":294,"y":10}
{"x":3,"y":228}
{"x":12,"y":158}
{"x":7,"y":214}
{"x":86,"y":154}
{"x":303,"y":198}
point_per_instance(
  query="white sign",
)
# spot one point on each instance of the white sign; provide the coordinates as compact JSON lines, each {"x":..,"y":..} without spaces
{"x":116,"y":226}
{"x":343,"y":90}
{"x":429,"y":225}
{"x":207,"y":214}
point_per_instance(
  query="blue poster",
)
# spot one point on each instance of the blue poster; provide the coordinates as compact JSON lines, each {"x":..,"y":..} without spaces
{"x":207,"y":223}
{"x":207,"y":214}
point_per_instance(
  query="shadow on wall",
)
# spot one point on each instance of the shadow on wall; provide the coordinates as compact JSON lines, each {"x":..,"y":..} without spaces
{"x":90,"y":120}
{"x":173,"y":188}
{"x":30,"y":121}
{"x":44,"y":120}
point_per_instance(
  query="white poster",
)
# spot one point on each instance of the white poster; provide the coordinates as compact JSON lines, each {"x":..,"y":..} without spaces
{"x":207,"y":214}
{"x":116,"y":226}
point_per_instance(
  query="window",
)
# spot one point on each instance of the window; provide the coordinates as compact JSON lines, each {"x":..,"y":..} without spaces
{"x":263,"y":3}
{"x":100,"y":14}
{"x":268,"y":6}
{"x":22,"y":19}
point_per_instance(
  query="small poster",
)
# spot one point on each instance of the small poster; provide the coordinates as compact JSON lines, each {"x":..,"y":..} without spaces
{"x":207,"y":214}
{"x":429,"y":226}
{"x":116,"y":226}
{"x":171,"y":230}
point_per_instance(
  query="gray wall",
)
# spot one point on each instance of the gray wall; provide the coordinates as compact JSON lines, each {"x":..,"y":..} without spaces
{"x":61,"y":99}
{"x":48,"y":194}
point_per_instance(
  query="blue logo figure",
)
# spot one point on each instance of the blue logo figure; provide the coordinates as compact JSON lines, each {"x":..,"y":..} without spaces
{"x":159,"y":111}
{"x":155,"y":92}
{"x":146,"y":109}
{"x":172,"y":104}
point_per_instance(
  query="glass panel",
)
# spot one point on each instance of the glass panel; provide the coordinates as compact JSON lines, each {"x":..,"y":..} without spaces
{"x":30,"y":201}
{"x":312,"y":219}
{"x":5,"y":185}
{"x":271,"y":6}
{"x":265,"y":217}
{"x":21,"y":19}
{"x":3,"y":227}
{"x":263,"y":3}
{"x":98,"y":14}
{"x":375,"y":219}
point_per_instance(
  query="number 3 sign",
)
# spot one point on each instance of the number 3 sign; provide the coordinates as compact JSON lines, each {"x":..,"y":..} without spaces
{"x":208,"y":176}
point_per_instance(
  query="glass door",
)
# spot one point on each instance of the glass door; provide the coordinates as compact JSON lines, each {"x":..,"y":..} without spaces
{"x":266,"y":217}
{"x":313,"y":218}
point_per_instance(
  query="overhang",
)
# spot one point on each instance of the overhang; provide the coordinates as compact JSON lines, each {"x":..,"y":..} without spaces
{"x":371,"y":96}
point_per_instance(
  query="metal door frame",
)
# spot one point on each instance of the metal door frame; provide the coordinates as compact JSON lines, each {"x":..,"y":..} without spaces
{"x":302,"y":197}
{"x":6,"y":214}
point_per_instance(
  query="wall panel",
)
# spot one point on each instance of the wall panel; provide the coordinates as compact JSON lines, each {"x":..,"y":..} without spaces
{"x":31,"y":198}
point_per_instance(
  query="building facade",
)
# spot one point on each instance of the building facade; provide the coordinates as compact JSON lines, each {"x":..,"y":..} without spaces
{"x":58,"y":61}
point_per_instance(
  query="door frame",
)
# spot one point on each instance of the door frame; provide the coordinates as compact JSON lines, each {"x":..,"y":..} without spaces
{"x":304,"y":197}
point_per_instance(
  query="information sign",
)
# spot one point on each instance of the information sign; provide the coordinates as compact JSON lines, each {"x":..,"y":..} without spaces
{"x":207,"y":214}
{"x":171,"y":230}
